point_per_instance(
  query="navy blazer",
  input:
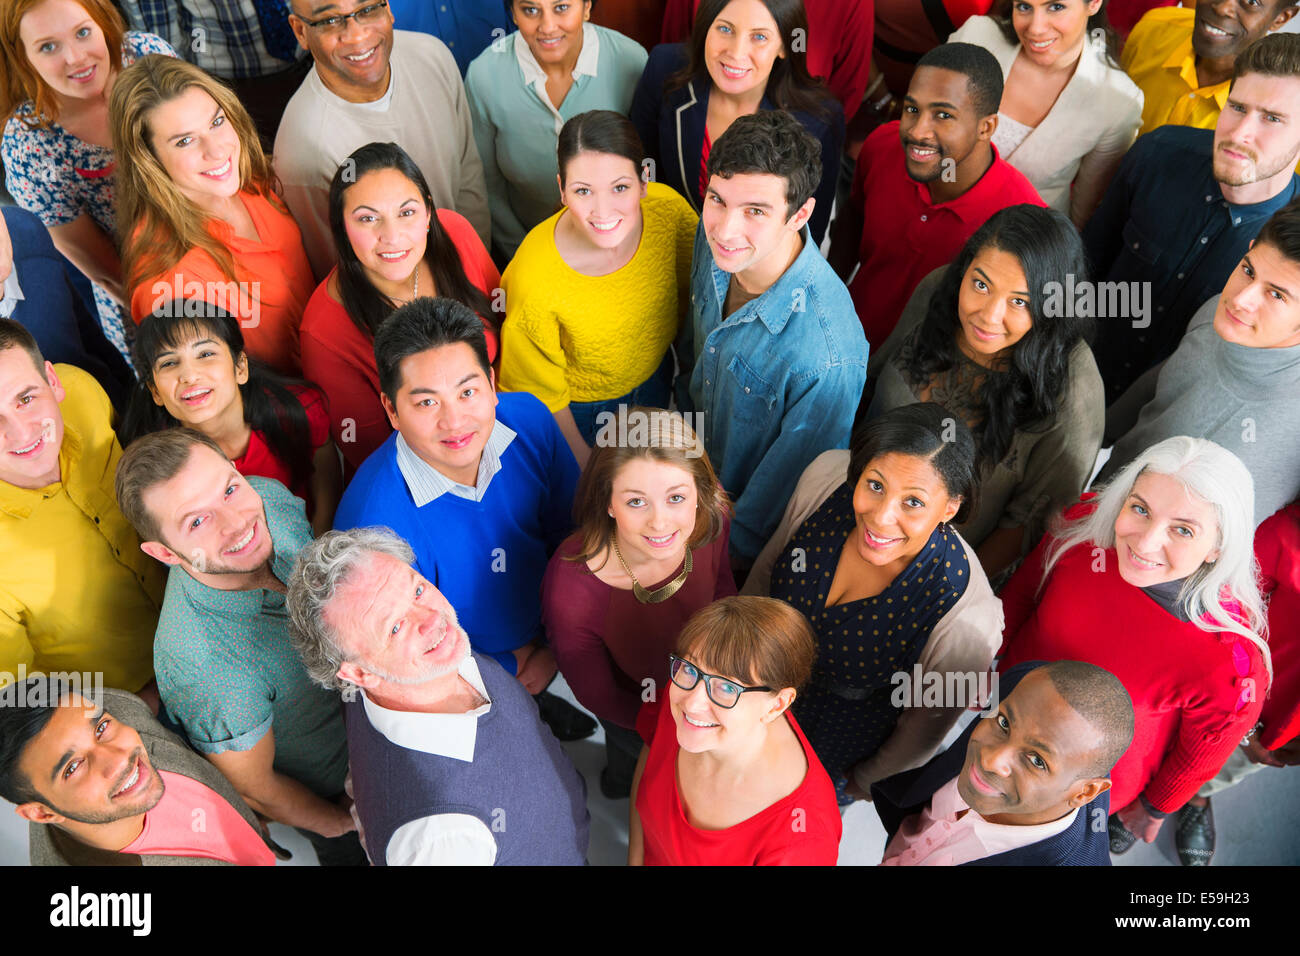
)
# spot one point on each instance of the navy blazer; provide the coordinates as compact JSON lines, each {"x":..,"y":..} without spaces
{"x":672,"y":131}
{"x":1081,"y":844}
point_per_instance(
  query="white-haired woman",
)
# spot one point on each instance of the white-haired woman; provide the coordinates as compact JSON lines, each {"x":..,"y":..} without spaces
{"x":1154,"y":579}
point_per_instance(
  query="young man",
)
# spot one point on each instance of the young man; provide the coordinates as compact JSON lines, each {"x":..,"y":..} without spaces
{"x":371,"y":84}
{"x":226,"y":669}
{"x":1026,"y":786}
{"x":109,"y":786}
{"x":481,"y":486}
{"x":451,"y":764}
{"x":76,"y":594}
{"x":1235,"y":377}
{"x":1182,"y":59}
{"x":772,"y":355}
{"x":1186,"y":203}
{"x":927,"y":182}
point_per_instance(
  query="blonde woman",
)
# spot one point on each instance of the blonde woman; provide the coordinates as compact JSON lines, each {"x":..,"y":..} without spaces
{"x":56,"y":74}
{"x":207,"y":223}
{"x":1154,"y":580}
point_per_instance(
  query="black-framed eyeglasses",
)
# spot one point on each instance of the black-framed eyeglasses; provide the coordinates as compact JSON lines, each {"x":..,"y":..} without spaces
{"x":338,"y":22}
{"x":723,"y":691}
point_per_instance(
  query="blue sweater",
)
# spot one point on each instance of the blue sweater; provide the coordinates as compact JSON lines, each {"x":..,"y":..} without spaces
{"x":488,"y":557}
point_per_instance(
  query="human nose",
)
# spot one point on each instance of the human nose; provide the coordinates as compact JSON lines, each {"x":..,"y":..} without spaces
{"x":996,"y":759}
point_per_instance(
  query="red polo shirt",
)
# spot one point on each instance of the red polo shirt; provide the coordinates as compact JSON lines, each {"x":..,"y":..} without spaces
{"x":905,"y":235}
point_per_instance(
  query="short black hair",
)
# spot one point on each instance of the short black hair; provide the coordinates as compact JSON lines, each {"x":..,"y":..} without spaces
{"x":424,"y":324}
{"x":923,"y":430}
{"x":1282,"y":231}
{"x":771,"y":142}
{"x":19,"y":725}
{"x":978,"y":65}
{"x":1097,"y":695}
{"x":14,"y":335}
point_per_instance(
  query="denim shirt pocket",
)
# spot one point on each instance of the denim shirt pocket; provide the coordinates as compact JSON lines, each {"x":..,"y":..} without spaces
{"x":754,"y":397}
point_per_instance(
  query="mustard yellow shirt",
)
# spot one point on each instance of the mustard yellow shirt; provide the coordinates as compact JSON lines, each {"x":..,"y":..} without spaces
{"x":569,"y":337}
{"x":76,"y":591}
{"x":1158,"y":57}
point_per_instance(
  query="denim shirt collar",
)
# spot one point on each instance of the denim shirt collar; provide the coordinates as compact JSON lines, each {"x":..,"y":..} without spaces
{"x":774,"y":306}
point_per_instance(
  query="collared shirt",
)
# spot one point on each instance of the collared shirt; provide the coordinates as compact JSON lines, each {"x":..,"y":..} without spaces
{"x":225,"y":37}
{"x":1164,"y":222}
{"x":906,"y":235}
{"x":535,"y":76}
{"x":228,"y":672}
{"x":76,"y":592}
{"x":950,"y":833}
{"x":445,"y":839}
{"x":427,"y":483}
{"x":777,"y":381}
{"x":13,"y":294}
{"x":466,"y":26}
{"x":1159,"y":58}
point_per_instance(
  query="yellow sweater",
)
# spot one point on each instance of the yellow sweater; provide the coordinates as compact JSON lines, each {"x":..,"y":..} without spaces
{"x":568,"y":337}
{"x":76,"y":591}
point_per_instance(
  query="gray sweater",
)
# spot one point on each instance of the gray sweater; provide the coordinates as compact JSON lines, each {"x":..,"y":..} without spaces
{"x":1241,"y":398}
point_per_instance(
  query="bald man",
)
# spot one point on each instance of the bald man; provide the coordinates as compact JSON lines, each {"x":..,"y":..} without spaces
{"x":1025,"y":786}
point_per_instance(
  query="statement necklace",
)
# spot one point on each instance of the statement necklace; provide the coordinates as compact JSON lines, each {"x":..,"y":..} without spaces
{"x":665,"y":592}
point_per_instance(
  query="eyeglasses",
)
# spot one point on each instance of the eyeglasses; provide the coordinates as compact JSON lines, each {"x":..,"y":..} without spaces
{"x":721,"y":690}
{"x":338,"y":22}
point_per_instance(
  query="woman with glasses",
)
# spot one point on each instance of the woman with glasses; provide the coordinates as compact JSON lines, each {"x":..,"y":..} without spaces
{"x":727,"y":778}
{"x":650,"y":550}
{"x":521,"y":91}
{"x":868,"y":555}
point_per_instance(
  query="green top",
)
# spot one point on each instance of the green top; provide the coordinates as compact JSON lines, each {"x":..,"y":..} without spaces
{"x":227,"y":671}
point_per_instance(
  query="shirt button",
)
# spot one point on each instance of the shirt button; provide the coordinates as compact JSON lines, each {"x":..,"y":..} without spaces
{"x":1180,"y":275}
{"x":1160,"y":308}
{"x":707,"y":382}
{"x":746,"y":389}
{"x":1135,"y":245}
{"x":924,"y":218}
{"x":712,"y":349}
{"x":1209,"y":199}
{"x":1204,"y":239}
{"x":1237,"y":221}
{"x":96,"y":521}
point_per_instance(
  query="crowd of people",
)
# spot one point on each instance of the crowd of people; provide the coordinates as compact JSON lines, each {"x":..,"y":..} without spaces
{"x":793,"y":380}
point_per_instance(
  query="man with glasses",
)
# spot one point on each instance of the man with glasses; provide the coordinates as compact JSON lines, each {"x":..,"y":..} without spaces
{"x":450,"y":762}
{"x":371,"y":84}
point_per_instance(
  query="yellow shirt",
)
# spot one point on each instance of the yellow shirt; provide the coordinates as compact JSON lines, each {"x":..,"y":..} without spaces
{"x":1158,"y":57}
{"x":569,"y":337}
{"x":76,"y":592}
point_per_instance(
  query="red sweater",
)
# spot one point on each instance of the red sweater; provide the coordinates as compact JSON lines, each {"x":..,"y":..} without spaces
{"x":1277,"y":545}
{"x":1195,"y":693}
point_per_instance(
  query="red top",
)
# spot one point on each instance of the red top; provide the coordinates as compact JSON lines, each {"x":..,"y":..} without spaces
{"x":704,"y":160}
{"x":1195,"y":693}
{"x":1277,"y":546}
{"x":274,"y":282}
{"x":260,"y":460}
{"x":839,"y":43}
{"x":802,"y":829}
{"x":905,"y":236}
{"x":170,"y":828}
{"x":607,"y":642}
{"x":340,"y":358}
{"x":1124,"y":14}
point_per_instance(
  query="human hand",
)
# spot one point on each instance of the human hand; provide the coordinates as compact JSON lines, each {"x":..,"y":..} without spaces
{"x":1289,"y":753}
{"x":1139,"y":822}
{"x":537,"y":669}
{"x":1256,"y":752}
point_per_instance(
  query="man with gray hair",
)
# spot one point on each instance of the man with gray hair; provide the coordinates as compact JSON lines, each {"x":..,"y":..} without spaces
{"x":450,"y":762}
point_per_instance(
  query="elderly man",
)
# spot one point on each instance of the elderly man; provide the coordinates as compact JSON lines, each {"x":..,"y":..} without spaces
{"x":451,"y":763}
{"x":1026,"y":786}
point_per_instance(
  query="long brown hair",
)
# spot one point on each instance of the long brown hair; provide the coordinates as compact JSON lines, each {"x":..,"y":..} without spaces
{"x":666,"y":438}
{"x":19,"y":81}
{"x":160,"y":225}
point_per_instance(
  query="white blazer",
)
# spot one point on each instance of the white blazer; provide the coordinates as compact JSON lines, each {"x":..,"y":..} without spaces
{"x":1085,"y":135}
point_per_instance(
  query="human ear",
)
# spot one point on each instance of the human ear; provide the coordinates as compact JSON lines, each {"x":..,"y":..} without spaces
{"x":390,"y":410}
{"x":52,"y":378}
{"x":1086,"y":791}
{"x":802,"y":215}
{"x":780,"y":703}
{"x":160,"y":552}
{"x":38,"y":813}
{"x":988,"y":126}
{"x":954,"y":505}
{"x":241,"y":369}
{"x":353,"y":674}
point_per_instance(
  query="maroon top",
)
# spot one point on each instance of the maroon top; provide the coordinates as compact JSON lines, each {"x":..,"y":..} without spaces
{"x":607,"y":642}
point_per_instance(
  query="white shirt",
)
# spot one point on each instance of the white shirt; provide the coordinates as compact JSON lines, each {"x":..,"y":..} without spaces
{"x":13,"y":294}
{"x":535,"y":76}
{"x":425,"y":483}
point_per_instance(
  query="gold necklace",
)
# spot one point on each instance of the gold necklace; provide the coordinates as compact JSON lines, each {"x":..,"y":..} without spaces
{"x":665,"y":592}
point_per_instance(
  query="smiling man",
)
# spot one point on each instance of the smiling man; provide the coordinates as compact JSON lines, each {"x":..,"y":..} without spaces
{"x":226,"y":669}
{"x":373,"y":84}
{"x":926,"y":182}
{"x":76,"y":594}
{"x":451,"y":764}
{"x":107,"y":786}
{"x":1026,"y":786}
{"x":1235,"y":376}
{"x":1182,"y":59}
{"x":772,"y":355}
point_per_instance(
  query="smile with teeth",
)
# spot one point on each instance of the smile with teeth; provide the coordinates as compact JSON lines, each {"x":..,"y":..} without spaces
{"x":220,"y":171}
{"x":83,"y":75}
{"x":361,"y":57}
{"x":1042,"y":44}
{"x":1143,"y":562}
{"x":605,"y":225}
{"x":242,"y":543}
{"x":458,"y":443}
{"x":1213,"y":31}
{"x":394,"y":256}
{"x":729,"y":250}
{"x":923,"y":152}
{"x":130,"y":782}
{"x":878,"y":541}
{"x":660,"y":541}
{"x":732,"y":72}
{"x":196,"y":394}
{"x":698,"y":723}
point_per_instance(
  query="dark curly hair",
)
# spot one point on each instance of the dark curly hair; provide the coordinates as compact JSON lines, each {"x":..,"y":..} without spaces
{"x":1024,"y":392}
{"x":771,"y":142}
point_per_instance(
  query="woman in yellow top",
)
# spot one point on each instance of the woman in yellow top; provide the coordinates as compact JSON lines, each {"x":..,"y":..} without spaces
{"x":596,"y":293}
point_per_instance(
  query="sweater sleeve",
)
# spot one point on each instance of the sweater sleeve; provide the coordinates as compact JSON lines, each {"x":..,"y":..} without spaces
{"x":1020,"y":594}
{"x":357,"y":420}
{"x":1098,"y":166}
{"x":826,"y":473}
{"x":471,"y":189}
{"x":507,"y":229}
{"x":532,"y":352}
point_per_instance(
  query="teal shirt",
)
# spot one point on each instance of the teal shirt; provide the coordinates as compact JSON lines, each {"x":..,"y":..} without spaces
{"x":228,"y":673}
{"x":517,"y":128}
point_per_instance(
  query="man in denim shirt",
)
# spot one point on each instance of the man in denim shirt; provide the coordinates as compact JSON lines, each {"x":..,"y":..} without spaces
{"x":774,"y":356}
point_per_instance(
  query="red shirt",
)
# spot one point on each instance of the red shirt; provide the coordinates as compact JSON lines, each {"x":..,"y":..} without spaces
{"x":1124,"y":14}
{"x":1195,"y":693}
{"x":191,"y":819}
{"x":906,"y":236}
{"x":839,"y":43}
{"x":802,"y":829}
{"x":260,"y":460}
{"x":1277,"y":546}
{"x":340,"y":358}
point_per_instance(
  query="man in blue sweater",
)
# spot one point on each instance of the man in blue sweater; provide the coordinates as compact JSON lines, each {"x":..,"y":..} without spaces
{"x":481,"y":486}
